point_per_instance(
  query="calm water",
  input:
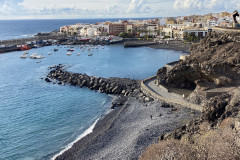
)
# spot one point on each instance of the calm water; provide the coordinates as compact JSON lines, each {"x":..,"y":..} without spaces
{"x":39,"y":119}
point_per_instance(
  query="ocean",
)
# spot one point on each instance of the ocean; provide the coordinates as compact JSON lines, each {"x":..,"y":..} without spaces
{"x":38,"y":120}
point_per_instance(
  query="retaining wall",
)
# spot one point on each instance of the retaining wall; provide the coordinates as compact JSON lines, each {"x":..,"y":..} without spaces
{"x":146,"y":90}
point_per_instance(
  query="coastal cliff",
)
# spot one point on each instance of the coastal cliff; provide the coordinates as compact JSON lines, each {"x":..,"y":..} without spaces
{"x":213,"y":64}
{"x":212,"y":72}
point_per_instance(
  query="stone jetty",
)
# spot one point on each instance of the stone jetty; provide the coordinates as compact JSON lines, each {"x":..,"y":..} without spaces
{"x":139,"y":43}
{"x":123,"y":87}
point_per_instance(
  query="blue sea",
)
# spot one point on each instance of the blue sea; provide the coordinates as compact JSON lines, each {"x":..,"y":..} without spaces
{"x":38,"y":120}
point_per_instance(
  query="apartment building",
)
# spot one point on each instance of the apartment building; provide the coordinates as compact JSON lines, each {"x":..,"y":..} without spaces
{"x":116,"y":28}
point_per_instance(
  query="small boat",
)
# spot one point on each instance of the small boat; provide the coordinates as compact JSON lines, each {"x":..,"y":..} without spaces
{"x":49,"y":53}
{"x":78,"y":54}
{"x":69,"y":53}
{"x":35,"y":56}
{"x":71,"y":50}
{"x":55,"y":50}
{"x":90,"y":54}
{"x":26,"y":52}
{"x":38,"y":61}
{"x":23,"y":56}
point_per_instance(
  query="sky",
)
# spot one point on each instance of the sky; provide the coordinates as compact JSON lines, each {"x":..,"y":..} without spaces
{"x":77,"y":9}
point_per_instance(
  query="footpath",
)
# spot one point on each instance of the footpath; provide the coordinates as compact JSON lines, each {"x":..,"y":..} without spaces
{"x":159,"y":92}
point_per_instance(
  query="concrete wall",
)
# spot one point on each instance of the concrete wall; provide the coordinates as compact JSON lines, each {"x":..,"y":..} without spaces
{"x":156,"y":96}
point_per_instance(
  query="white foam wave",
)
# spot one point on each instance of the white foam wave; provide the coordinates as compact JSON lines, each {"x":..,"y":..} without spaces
{"x":88,"y":131}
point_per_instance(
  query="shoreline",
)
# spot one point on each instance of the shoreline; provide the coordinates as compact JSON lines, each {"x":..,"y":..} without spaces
{"x":130,"y":114}
{"x":98,"y":144}
{"x":103,"y":123}
{"x":173,"y":45}
{"x":69,"y":146}
{"x":106,"y":122}
{"x":61,"y":40}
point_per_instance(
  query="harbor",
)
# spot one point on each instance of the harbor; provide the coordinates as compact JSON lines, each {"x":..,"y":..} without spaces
{"x":53,"y":38}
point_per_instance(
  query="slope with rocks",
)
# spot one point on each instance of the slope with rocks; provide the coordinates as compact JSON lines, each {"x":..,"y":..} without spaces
{"x":213,"y":65}
{"x":215,"y":135}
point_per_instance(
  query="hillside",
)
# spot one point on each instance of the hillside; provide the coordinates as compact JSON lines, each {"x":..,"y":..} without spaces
{"x":212,"y":72}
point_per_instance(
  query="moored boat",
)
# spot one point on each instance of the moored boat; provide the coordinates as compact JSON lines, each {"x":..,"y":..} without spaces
{"x":71,"y":50}
{"x":36,"y":56}
{"x":23,"y":56}
{"x":69,"y":53}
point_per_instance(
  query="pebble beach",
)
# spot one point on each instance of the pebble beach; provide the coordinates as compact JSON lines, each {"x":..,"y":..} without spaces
{"x":128,"y":130}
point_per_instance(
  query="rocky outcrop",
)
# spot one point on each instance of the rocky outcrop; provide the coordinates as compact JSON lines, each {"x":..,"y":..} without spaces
{"x":117,"y":86}
{"x":215,"y":135}
{"x":212,"y":68}
{"x":216,"y":59}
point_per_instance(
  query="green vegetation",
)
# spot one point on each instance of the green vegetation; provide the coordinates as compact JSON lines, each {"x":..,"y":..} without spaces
{"x":192,"y":38}
{"x":126,"y":35}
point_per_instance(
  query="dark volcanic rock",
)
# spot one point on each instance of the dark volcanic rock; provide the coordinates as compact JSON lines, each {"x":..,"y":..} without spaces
{"x":113,"y":85}
{"x":215,"y":59}
{"x":47,"y":80}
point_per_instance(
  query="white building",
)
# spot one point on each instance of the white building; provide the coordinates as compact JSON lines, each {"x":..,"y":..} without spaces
{"x":153,"y":29}
{"x":212,"y":23}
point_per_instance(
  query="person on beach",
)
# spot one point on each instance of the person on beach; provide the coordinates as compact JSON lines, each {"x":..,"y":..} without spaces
{"x":151,"y":117}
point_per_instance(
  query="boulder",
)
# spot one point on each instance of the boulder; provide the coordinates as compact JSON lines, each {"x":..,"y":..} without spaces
{"x":47,"y":80}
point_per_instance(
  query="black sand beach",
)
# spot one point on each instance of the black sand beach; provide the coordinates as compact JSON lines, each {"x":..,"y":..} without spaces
{"x":128,"y":130}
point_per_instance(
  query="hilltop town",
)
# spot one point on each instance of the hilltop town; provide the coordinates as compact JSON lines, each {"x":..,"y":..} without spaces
{"x":182,"y":28}
{"x":177,"y":28}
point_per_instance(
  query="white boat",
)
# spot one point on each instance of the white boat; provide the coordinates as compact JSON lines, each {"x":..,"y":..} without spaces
{"x":49,"y":53}
{"x":35,"y":56}
{"x":26,"y":52}
{"x":78,"y":54}
{"x":69,"y":53}
{"x":90,"y":54}
{"x":23,"y":56}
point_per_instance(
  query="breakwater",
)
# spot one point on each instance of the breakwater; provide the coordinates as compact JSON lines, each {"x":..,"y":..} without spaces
{"x":138,"y":43}
{"x":36,"y":38}
{"x":123,"y":87}
{"x":31,"y":42}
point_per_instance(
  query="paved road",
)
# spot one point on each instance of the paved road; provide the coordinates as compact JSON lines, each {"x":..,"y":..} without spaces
{"x":169,"y":96}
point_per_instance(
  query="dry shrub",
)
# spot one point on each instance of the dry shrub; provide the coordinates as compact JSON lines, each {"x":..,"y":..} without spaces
{"x":169,"y":150}
{"x":219,"y":143}
{"x":213,"y":144}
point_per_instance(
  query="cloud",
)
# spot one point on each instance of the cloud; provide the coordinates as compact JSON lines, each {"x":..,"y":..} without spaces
{"x":135,"y":6}
{"x":206,"y":5}
{"x":92,"y":8}
{"x":5,"y":8}
{"x":60,"y":4}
